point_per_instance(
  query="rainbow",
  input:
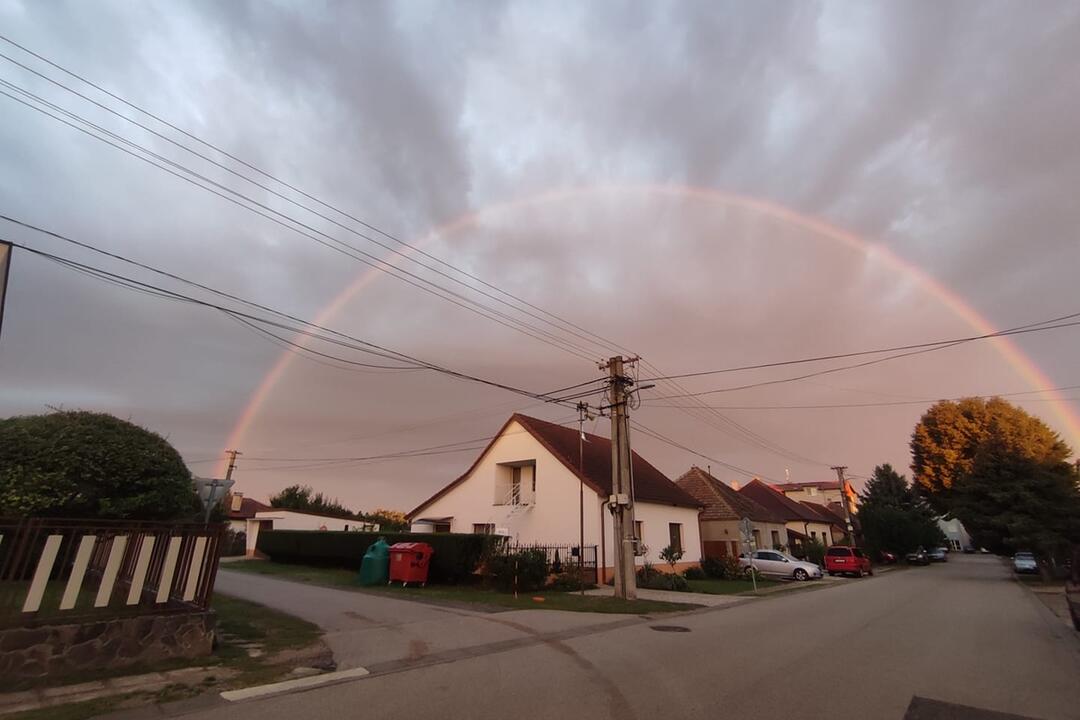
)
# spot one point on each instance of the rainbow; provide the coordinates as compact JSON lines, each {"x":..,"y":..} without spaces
{"x":1008,"y":349}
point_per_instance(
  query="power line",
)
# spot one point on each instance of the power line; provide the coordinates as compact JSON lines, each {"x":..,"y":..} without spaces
{"x":354,"y":343}
{"x":307,"y":230}
{"x":891,"y":403}
{"x":841,"y":356}
{"x":1004,"y":333}
{"x":663,"y":438}
{"x":278,"y":180}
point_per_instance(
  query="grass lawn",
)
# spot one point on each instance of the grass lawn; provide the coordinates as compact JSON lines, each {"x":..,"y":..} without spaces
{"x":729,"y":587}
{"x":247,"y":621}
{"x":466,"y":594}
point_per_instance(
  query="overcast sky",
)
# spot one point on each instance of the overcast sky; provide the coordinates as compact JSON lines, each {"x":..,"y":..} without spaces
{"x":545,"y":148}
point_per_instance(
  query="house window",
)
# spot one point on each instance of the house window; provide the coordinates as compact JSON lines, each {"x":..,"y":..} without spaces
{"x":483,"y":528}
{"x":775,"y":539}
{"x":813,"y":535}
{"x":757,"y":538}
{"x":639,"y":529}
{"x":675,"y":533}
{"x":442,"y":526}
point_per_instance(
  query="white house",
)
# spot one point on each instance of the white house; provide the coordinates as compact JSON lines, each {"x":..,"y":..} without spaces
{"x":250,"y":516}
{"x":531,"y":482}
{"x":955,"y":533}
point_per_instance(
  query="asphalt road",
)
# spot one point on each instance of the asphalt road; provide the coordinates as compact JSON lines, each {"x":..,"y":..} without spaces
{"x":962,"y":633}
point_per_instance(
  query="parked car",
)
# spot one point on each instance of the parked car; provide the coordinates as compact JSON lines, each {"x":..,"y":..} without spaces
{"x":887,"y":558}
{"x":919,"y":557}
{"x":1024,"y":562}
{"x":938,"y":554}
{"x":845,"y":560}
{"x":779,"y":564}
{"x":968,"y":550}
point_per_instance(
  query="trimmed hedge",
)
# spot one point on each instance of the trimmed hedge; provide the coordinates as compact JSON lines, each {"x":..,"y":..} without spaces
{"x":457,"y":556}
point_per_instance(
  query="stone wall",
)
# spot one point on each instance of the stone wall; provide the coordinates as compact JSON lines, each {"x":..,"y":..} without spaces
{"x":67,"y":649}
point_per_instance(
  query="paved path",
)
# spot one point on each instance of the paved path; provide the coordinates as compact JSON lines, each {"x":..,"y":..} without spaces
{"x":369,"y":630}
{"x":690,"y":598}
{"x":962,"y":632}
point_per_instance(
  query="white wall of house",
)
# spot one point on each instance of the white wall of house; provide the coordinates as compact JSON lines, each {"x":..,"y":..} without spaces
{"x":955,"y":532}
{"x":291,"y":520}
{"x":547,"y":514}
{"x":822,"y":531}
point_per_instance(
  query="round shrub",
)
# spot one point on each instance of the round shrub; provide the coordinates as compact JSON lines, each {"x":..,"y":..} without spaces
{"x":90,"y":465}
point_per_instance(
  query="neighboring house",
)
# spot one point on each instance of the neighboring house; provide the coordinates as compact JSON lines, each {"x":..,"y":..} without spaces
{"x":723,"y":508}
{"x":823,"y":493}
{"x":250,"y":516}
{"x":526,"y":484}
{"x":955,"y":533}
{"x":802,"y":523}
{"x":835,"y":520}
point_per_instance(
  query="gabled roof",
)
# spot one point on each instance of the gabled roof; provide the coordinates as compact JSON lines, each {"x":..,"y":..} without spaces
{"x":721,"y":501}
{"x":650,"y":485}
{"x":778,"y":503}
{"x":824,"y":513}
{"x":248,"y":508}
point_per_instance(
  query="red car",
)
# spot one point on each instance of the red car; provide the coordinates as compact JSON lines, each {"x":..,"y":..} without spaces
{"x":844,"y":560}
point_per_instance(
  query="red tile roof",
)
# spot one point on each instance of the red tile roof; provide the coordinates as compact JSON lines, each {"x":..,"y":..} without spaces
{"x":777,"y":502}
{"x":650,"y":485}
{"x":722,"y":502}
{"x":824,"y":513}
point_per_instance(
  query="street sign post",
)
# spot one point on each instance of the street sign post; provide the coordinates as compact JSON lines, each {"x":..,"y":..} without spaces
{"x":210,"y":491}
{"x":746,"y":529}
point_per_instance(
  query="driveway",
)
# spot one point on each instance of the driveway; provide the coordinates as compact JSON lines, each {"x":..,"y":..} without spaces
{"x":370,"y":630}
{"x":927,"y":639}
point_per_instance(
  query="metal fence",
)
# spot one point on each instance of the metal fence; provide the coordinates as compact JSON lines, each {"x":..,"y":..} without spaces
{"x":59,"y":571}
{"x":563,"y":557}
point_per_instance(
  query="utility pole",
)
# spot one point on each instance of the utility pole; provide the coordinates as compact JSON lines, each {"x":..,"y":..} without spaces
{"x":583,"y":414}
{"x":844,"y":501}
{"x":621,"y":501}
{"x":232,"y":462}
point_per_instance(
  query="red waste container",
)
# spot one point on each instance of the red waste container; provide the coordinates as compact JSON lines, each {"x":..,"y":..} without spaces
{"x":409,"y":562}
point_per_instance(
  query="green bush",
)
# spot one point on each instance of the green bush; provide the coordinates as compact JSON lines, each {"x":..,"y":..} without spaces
{"x":91,"y":465}
{"x":456,"y":556}
{"x":653,"y":579}
{"x":523,"y":571}
{"x":723,"y":568}
{"x":694,"y":573}
{"x":572,"y":579}
{"x":814,"y":551}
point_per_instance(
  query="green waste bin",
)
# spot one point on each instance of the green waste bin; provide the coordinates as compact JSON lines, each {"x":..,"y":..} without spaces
{"x":375,"y":567}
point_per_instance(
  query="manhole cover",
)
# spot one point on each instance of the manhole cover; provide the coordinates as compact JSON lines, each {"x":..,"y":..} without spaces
{"x":669,"y":628}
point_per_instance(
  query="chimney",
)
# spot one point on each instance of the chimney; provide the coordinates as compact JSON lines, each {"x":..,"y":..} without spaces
{"x":237,"y":499}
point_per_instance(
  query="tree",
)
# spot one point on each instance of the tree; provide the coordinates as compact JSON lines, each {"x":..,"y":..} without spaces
{"x":893,"y":517}
{"x":388,"y":520}
{"x":91,"y":465}
{"x":1003,"y":472}
{"x":303,"y":499}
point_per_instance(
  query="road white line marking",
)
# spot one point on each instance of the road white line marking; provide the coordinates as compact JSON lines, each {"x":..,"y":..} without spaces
{"x":297,"y":684}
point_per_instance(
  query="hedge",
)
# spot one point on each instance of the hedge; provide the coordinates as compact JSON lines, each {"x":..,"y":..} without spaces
{"x":456,"y":556}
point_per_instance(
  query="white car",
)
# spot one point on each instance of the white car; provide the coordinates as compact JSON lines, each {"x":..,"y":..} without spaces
{"x":780,"y":564}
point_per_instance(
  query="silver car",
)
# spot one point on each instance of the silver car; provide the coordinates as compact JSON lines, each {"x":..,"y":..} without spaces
{"x":779,"y":564}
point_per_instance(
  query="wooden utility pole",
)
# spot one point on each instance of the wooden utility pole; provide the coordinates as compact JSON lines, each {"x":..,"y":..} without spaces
{"x":232,"y":462}
{"x":844,"y":501}
{"x":621,"y":501}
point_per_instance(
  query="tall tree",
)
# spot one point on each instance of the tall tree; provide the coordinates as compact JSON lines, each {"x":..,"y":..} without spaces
{"x":1003,"y":472}
{"x":893,"y":517}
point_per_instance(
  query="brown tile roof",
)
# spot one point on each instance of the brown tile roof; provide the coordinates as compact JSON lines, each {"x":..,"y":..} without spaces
{"x":650,"y":485}
{"x":777,"y":502}
{"x":248,"y":508}
{"x":824,"y":513}
{"x":722,"y":502}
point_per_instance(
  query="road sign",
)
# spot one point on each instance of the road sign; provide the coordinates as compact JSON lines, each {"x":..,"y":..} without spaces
{"x":747,"y":529}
